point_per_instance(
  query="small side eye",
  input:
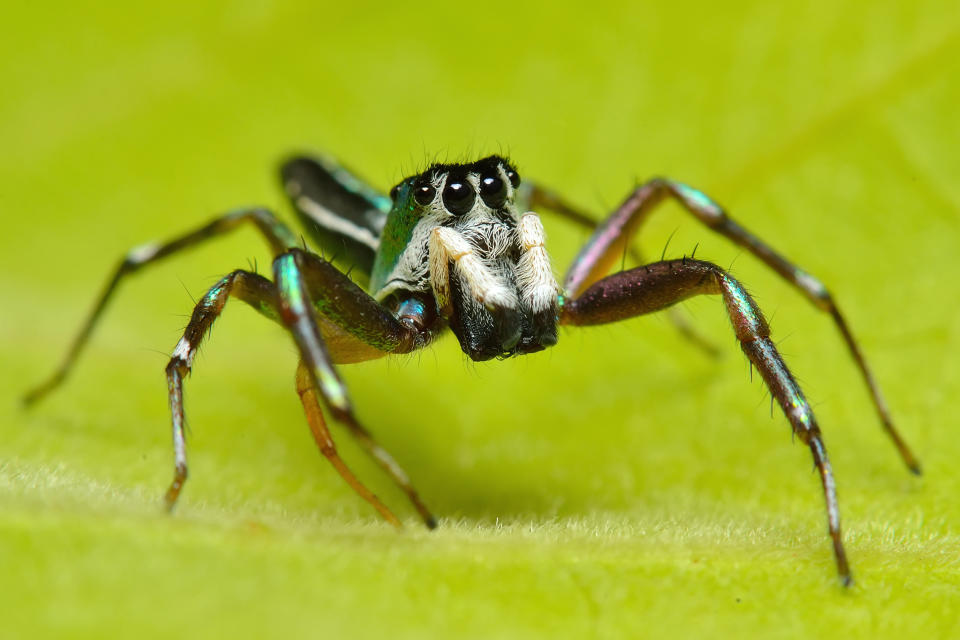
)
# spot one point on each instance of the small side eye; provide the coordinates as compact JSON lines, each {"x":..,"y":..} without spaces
{"x":513,"y":177}
{"x":424,"y":194}
{"x":458,"y":196}
{"x":493,"y":191}
{"x":394,"y":191}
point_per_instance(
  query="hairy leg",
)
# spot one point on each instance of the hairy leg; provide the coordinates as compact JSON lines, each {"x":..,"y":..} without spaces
{"x":253,"y":289}
{"x":537,"y":197}
{"x":260,"y":293}
{"x":657,"y":286}
{"x":609,"y":241}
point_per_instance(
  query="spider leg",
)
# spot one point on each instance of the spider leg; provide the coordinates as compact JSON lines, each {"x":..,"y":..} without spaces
{"x":253,"y":289}
{"x":609,"y":240}
{"x":318,"y":427}
{"x":278,"y":236}
{"x":538,"y":197}
{"x":307,"y":285}
{"x":259,"y":293}
{"x":657,"y":286}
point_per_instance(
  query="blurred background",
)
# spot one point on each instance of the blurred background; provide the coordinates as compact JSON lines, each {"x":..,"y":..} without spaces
{"x":620,"y":483}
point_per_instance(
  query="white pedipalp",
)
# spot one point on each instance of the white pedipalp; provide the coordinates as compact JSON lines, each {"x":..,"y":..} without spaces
{"x":446,"y":246}
{"x":538,"y":288}
{"x":498,"y":255}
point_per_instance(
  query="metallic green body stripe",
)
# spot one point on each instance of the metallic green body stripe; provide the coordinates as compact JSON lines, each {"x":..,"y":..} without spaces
{"x":395,"y":237}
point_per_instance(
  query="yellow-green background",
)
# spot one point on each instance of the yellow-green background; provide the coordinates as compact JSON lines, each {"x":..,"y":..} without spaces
{"x":619,"y":485}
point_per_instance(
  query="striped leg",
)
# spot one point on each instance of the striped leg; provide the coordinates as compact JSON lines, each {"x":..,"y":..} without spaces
{"x":253,"y":289}
{"x":657,"y":286}
{"x":259,"y":293}
{"x":608,"y":243}
{"x":307,"y":284}
{"x":278,"y":236}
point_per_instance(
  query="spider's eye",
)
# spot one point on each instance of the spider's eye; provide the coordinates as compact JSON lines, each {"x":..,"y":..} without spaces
{"x":493,"y":191}
{"x":424,"y":194}
{"x":458,"y":196}
{"x":393,"y":192}
{"x":514,"y":178}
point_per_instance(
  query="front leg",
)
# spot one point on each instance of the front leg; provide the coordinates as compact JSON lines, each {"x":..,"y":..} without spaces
{"x":259,"y":293}
{"x":657,"y":286}
{"x":610,"y":240}
{"x":535,"y":196}
{"x":256,"y":291}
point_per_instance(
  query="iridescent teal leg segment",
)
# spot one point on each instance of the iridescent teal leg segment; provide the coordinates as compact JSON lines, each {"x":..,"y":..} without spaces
{"x":608,"y":243}
{"x":253,"y":289}
{"x":307,"y":285}
{"x":657,"y":286}
{"x":278,"y":236}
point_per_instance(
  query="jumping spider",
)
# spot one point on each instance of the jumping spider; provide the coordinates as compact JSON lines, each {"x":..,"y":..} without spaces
{"x":458,"y":246}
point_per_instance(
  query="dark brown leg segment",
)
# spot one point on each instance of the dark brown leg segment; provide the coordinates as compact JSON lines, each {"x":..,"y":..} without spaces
{"x":611,"y":238}
{"x":278,"y":236}
{"x":657,"y":286}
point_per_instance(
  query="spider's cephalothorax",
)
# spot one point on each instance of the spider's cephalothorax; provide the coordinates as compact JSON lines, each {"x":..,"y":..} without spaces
{"x":500,"y":296}
{"x":456,"y":247}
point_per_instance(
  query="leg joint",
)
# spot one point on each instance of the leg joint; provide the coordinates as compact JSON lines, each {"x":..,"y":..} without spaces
{"x":138,"y":256}
{"x":815,"y":290}
{"x":178,"y":367}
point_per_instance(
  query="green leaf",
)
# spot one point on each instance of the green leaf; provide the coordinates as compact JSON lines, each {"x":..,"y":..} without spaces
{"x":619,"y":485}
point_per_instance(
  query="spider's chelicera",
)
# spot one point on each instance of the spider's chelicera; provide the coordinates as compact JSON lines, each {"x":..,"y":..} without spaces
{"x":458,"y":246}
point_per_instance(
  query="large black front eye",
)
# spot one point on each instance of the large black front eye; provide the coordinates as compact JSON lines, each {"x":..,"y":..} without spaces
{"x":493,"y":191}
{"x":394,"y":192}
{"x":424,"y":194}
{"x":458,"y":196}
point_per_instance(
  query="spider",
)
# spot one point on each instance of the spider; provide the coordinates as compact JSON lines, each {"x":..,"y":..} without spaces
{"x":458,"y":247}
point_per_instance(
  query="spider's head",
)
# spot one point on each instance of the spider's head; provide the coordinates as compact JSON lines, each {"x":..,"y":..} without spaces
{"x":445,"y":213}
